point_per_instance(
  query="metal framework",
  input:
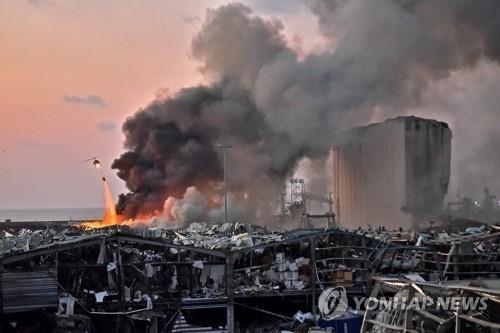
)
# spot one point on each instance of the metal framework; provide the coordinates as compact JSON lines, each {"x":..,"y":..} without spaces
{"x":328,"y":251}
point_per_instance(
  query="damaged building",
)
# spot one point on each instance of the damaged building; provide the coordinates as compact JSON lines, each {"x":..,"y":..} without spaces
{"x":235,"y":277}
{"x":393,"y":174}
{"x":221,"y":277}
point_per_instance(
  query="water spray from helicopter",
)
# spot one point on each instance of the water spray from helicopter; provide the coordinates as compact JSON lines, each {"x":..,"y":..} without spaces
{"x":110,"y":216}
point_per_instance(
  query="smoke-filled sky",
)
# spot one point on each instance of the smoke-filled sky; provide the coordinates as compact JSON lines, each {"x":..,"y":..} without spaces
{"x":72,"y":71}
{"x":275,"y":78}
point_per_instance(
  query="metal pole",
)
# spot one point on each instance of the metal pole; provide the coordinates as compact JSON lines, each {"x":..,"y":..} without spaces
{"x":312,"y":244}
{"x":230,"y":293}
{"x":408,"y":323}
{"x":225,"y":188}
{"x":224,"y":147}
{"x":121,"y":276}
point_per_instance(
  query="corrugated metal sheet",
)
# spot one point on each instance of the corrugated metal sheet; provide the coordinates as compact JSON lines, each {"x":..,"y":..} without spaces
{"x":27,"y":291}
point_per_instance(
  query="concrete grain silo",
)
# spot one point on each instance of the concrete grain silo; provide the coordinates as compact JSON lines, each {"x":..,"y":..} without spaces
{"x":392,"y":174}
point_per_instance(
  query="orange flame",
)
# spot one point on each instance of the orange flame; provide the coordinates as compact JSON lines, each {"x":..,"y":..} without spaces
{"x":110,"y":217}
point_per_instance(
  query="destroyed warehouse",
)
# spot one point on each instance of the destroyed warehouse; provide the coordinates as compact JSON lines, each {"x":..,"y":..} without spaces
{"x":238,"y":277}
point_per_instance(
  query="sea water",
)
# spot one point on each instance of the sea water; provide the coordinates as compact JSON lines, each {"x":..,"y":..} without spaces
{"x":51,"y":214}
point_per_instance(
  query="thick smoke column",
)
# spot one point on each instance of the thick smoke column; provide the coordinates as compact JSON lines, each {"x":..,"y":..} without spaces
{"x":276,"y":108}
{"x":172,"y":142}
{"x":468,"y":102}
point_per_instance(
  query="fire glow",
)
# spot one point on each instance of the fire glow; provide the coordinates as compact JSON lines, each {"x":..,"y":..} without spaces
{"x":110,"y":217}
{"x":198,"y":202}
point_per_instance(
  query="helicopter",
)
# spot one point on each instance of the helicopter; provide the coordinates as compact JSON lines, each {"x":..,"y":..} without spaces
{"x":95,"y":162}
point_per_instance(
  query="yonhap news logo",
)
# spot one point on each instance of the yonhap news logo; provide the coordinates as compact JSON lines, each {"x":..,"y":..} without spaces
{"x":332,"y":302}
{"x":423,"y":303}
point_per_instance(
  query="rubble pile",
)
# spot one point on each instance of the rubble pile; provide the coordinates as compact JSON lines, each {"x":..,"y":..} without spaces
{"x":223,"y":237}
{"x":25,"y":239}
{"x":446,"y":254}
{"x":226,"y":236}
{"x":282,"y":274}
{"x":205,"y":269}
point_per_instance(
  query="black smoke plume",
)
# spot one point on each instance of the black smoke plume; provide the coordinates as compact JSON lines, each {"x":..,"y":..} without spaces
{"x":276,"y":108}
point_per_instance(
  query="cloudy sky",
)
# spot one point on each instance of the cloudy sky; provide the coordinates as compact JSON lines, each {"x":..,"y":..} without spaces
{"x":73,"y":71}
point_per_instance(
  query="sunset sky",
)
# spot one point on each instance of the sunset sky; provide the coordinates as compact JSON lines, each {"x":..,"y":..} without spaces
{"x":73,"y":71}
